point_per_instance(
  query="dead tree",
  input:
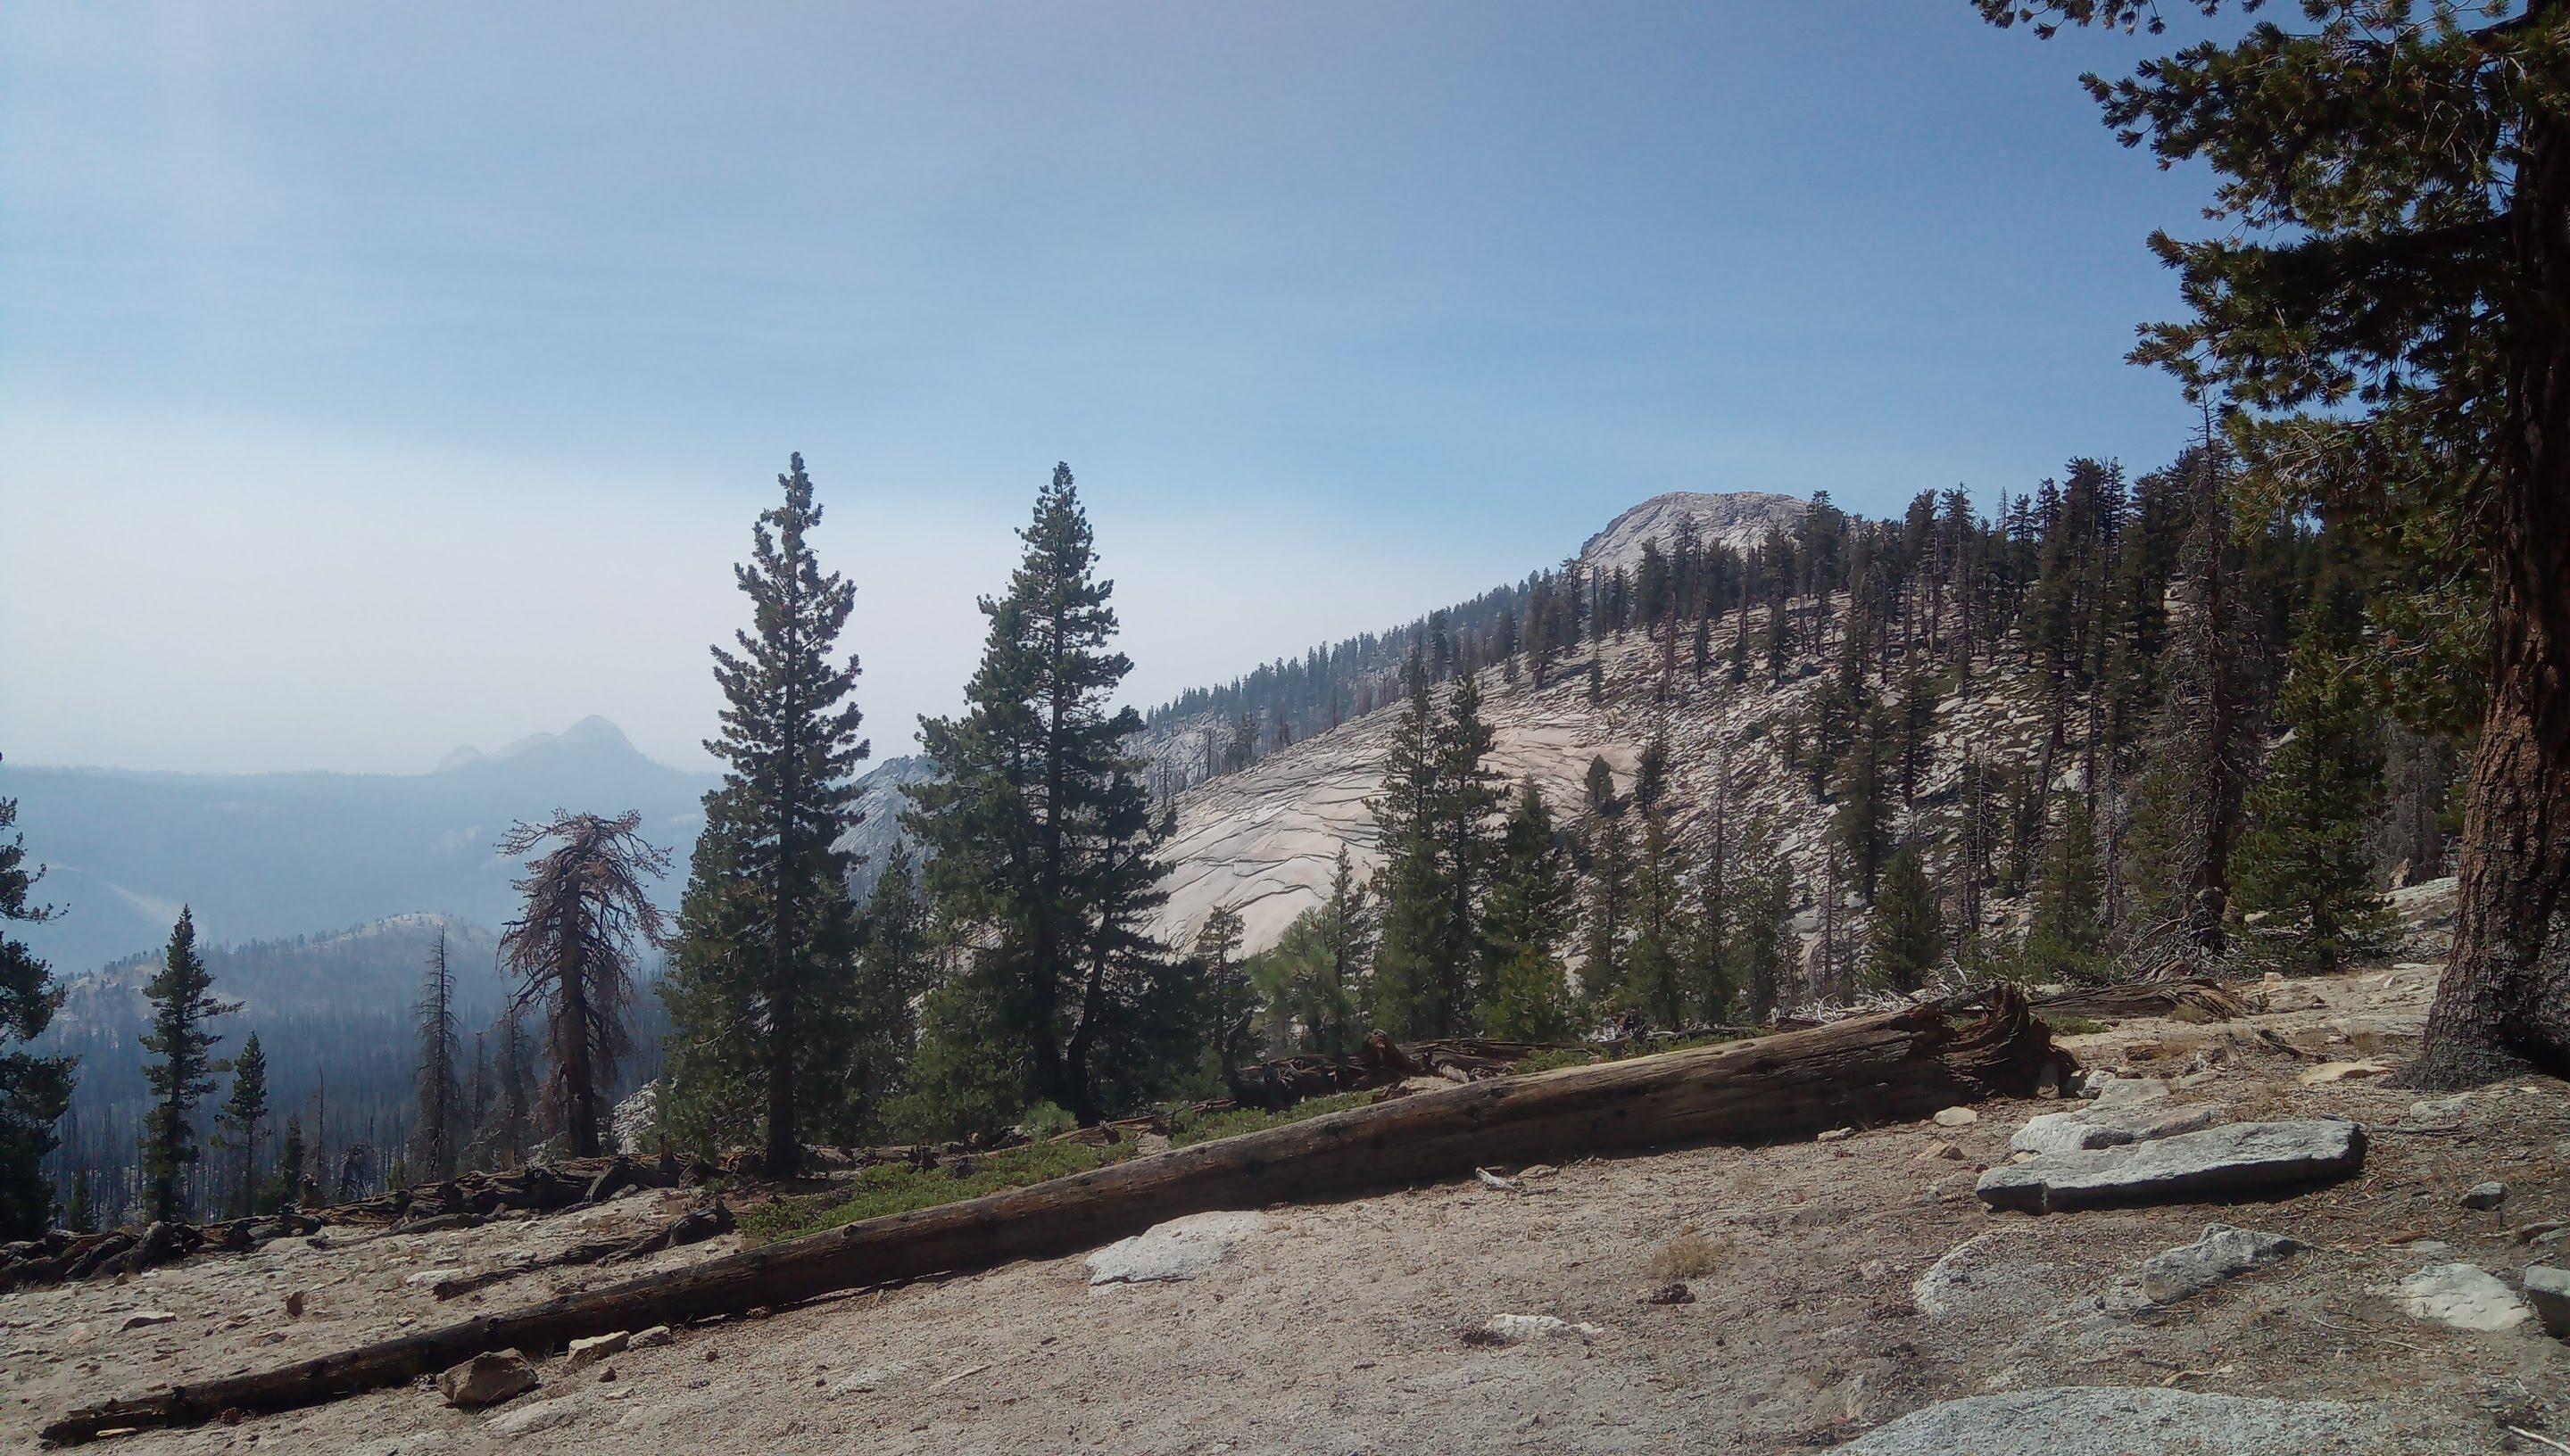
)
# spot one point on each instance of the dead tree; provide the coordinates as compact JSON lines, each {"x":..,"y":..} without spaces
{"x":588,"y":906}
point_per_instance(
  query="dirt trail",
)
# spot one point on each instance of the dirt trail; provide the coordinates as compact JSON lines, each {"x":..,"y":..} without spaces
{"x":1339,"y":1328}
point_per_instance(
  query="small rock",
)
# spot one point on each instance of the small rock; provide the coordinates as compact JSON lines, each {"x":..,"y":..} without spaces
{"x":1518,"y":1329}
{"x":2461,"y":1295}
{"x":1872,"y":1269}
{"x":2223,"y":1253}
{"x":486,"y":1379}
{"x":545,"y":1416}
{"x":142,"y":1318}
{"x":643,"y":1339}
{"x":1180,"y":1248}
{"x":429,"y":1278}
{"x":1836,"y":1135}
{"x":1941,"y":1150}
{"x":2437,"y":1112}
{"x":1673,"y":1292}
{"x":1956,"y":1117}
{"x":2487,"y":1195}
{"x":294,"y":1304}
{"x":2125,"y":1091}
{"x":1536,"y":1172}
{"x":596,"y":1348}
{"x":2549,"y":1291}
{"x":2205,"y":1078}
{"x":2329,"y":1072}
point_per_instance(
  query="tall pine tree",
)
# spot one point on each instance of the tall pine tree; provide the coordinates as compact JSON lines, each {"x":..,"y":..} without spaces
{"x":2302,"y":864}
{"x":1533,"y":893}
{"x":34,"y":1090}
{"x":769,"y":932}
{"x":244,"y":1111}
{"x":1044,"y":851}
{"x":181,"y":1071}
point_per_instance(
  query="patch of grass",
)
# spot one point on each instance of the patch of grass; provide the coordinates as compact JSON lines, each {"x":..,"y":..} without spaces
{"x":1188,"y":1126}
{"x":1545,"y":1061}
{"x":898,"y":1187}
{"x":2065,"y":1025}
{"x":1688,"y":1255}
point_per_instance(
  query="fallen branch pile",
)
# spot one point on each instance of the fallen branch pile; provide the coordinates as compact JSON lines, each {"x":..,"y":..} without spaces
{"x":462,"y":1202}
{"x":693,"y":1227}
{"x":63,"y":1256}
{"x":1901,"y":1063}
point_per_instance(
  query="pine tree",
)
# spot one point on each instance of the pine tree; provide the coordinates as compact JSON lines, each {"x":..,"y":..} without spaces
{"x":290,"y":1153}
{"x":80,"y":1217}
{"x":181,"y":998}
{"x":2065,"y":938}
{"x":1763,"y":938}
{"x":517,"y":1073}
{"x":2302,"y":864}
{"x":1908,"y":934}
{"x":1315,"y":979}
{"x":1044,"y":856}
{"x":437,"y":1136}
{"x":1863,"y":789}
{"x":1657,"y":979}
{"x":34,"y":1090}
{"x":241,"y":1116}
{"x":1605,"y":966}
{"x":1433,"y":816}
{"x":1230,"y":1001}
{"x":896,"y":966}
{"x":587,"y":914}
{"x":763,"y":999}
{"x":1533,"y":893}
{"x":2189,"y":793}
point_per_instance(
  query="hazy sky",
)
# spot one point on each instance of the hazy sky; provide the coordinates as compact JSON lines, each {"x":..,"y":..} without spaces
{"x":379,"y":379}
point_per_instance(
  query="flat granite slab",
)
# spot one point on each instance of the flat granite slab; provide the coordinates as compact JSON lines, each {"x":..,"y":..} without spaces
{"x":2238,"y":1158}
{"x":2107,"y":1421}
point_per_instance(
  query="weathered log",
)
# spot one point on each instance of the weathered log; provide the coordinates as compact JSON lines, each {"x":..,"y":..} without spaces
{"x":1898,"y":1064}
{"x":2197,"y":1001}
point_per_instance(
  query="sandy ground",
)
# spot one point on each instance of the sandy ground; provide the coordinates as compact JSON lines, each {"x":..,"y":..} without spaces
{"x":1339,"y":1328}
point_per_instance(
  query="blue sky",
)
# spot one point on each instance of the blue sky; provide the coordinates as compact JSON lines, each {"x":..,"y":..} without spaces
{"x":346,"y":351}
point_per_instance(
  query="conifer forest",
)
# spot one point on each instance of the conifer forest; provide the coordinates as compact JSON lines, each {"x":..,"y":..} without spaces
{"x":1791,"y":799}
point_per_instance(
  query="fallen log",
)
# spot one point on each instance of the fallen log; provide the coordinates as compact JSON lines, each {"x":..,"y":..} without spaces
{"x":2197,"y":1001}
{"x":1901,"y":1063}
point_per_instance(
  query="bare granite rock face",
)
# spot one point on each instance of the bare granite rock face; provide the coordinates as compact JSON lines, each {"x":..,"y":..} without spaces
{"x":2090,"y":1420}
{"x":2242,"y":1157}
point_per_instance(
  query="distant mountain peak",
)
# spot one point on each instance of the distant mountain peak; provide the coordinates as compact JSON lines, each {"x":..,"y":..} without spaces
{"x":1736,"y":519}
{"x":591,"y":736}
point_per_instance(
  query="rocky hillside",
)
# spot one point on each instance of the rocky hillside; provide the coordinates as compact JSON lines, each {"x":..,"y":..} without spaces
{"x":1262,"y":840}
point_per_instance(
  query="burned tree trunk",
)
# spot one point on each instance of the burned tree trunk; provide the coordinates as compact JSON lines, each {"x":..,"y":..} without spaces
{"x":1897,"y":1064}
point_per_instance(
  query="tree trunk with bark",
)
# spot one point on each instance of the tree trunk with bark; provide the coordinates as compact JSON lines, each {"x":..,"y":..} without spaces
{"x":2504,"y":1002}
